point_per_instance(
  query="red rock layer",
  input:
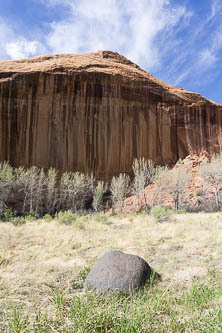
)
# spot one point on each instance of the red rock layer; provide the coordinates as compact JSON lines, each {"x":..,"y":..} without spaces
{"x":97,"y":112}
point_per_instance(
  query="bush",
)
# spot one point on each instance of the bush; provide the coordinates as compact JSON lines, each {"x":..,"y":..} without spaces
{"x":6,"y":184}
{"x":75,"y":187}
{"x":144,"y":172}
{"x":51,"y":190}
{"x":120,"y":188}
{"x":7,"y":214}
{"x":18,"y":220}
{"x":161,"y":214}
{"x":171,"y":184}
{"x":211,"y":172}
{"x":67,"y":217}
{"x":98,"y":196}
{"x":32,"y":216}
{"x":101,"y":217}
{"x":47,"y":218}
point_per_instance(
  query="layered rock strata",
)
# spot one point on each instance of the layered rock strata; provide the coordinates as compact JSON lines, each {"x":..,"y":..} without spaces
{"x":96,"y":112}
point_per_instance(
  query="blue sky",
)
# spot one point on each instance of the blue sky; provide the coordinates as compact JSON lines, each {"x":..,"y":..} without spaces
{"x":178,"y":41}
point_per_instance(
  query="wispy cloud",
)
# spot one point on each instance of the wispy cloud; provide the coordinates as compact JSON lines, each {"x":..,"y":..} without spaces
{"x":128,"y":27}
{"x":14,"y":46}
{"x":170,"y":38}
{"x":192,"y":51}
{"x":22,"y":48}
{"x":216,"y":7}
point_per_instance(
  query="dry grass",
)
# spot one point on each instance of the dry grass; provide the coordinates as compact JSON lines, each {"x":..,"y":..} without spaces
{"x":39,"y":256}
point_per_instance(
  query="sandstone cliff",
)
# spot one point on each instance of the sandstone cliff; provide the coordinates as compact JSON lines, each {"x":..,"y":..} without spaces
{"x":97,"y":112}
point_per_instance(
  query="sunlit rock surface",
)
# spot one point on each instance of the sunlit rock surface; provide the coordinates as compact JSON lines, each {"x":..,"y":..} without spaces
{"x":97,"y":112}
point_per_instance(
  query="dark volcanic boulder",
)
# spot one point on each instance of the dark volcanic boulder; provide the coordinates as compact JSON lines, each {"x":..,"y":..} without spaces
{"x":118,"y":271}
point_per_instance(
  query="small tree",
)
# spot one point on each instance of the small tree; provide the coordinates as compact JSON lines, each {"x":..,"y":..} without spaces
{"x":170,"y":185}
{"x":177,"y":185}
{"x":211,"y":172}
{"x":6,"y":184}
{"x":144,"y":172}
{"x":39,"y":197}
{"x":51,"y":190}
{"x":120,"y":189}
{"x":74,"y":188}
{"x":98,"y":195}
{"x":28,"y":182}
{"x":161,"y":183}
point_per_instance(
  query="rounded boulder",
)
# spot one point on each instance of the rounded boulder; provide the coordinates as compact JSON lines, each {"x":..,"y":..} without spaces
{"x":117,"y":271}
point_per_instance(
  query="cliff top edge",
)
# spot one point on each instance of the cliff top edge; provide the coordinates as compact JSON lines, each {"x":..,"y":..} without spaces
{"x":103,"y":61}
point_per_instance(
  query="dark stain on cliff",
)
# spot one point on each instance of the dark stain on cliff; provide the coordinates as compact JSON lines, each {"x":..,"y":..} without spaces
{"x":98,"y":116}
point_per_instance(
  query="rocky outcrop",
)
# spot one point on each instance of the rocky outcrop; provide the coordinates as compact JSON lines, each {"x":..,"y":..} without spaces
{"x":97,"y":112}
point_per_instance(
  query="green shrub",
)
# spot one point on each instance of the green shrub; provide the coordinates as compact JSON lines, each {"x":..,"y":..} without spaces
{"x":67,"y":217}
{"x":75,"y":187}
{"x":98,"y":196}
{"x":101,"y":217}
{"x":181,"y":211}
{"x":47,"y":218}
{"x":6,"y":185}
{"x":120,"y":188}
{"x":18,"y":220}
{"x":144,"y":172}
{"x":7,"y":214}
{"x":32,"y":216}
{"x":199,"y":193}
{"x":79,"y":282}
{"x":161,"y":214}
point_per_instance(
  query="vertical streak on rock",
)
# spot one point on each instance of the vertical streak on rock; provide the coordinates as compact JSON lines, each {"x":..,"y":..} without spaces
{"x":90,"y":120}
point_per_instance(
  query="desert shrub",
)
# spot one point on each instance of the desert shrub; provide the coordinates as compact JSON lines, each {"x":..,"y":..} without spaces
{"x":211,"y":172}
{"x":161,"y":181}
{"x":47,"y":218}
{"x":39,"y":197}
{"x":101,"y":217}
{"x":67,"y":217}
{"x":177,"y":186}
{"x":170,"y":185}
{"x":144,"y":172}
{"x":181,"y":211}
{"x":161,"y":214}
{"x":31,"y":216}
{"x":51,"y":191}
{"x":18,"y":220}
{"x":31,"y":183}
{"x":98,"y":195}
{"x":74,"y":189}
{"x":6,"y":184}
{"x":8,"y":214}
{"x":120,"y":188}
{"x":79,"y":224}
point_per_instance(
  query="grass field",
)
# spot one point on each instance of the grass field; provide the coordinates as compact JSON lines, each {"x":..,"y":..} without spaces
{"x":43,"y":266}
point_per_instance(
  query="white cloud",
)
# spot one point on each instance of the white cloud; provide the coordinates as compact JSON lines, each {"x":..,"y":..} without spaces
{"x":192,"y":51}
{"x":22,"y":48}
{"x":13,"y":46}
{"x":216,"y":7}
{"x":5,"y":35}
{"x":127,"y":26}
{"x":203,"y":59}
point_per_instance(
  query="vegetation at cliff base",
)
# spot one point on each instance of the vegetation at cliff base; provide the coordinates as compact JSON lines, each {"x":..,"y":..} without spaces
{"x":37,"y":192}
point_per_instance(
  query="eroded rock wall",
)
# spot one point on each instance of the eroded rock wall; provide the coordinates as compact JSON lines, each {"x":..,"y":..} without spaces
{"x":99,"y":121}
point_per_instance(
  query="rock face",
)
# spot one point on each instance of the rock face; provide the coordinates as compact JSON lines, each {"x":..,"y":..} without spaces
{"x":96,"y":112}
{"x":118,"y":271}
